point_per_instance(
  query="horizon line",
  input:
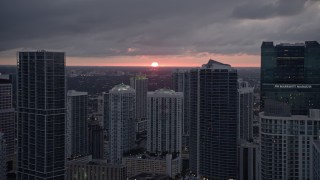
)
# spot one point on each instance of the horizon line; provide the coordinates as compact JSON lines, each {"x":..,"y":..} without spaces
{"x":160,"y":66}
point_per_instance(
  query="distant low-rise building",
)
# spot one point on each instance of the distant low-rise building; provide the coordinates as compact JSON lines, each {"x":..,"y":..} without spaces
{"x":85,"y":168}
{"x":166,"y":165}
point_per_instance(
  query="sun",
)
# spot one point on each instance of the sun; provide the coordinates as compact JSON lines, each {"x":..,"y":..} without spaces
{"x":154,"y":64}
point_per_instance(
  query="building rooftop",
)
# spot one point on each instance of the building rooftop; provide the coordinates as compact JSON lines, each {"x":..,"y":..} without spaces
{"x":122,"y":87}
{"x":291,"y":44}
{"x":306,"y":43}
{"x":165,"y":93}
{"x":76,"y":93}
{"x":149,"y":176}
{"x":213,"y":64}
{"x":140,"y":77}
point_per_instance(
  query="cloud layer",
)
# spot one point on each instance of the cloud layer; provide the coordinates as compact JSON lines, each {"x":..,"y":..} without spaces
{"x":106,"y":28}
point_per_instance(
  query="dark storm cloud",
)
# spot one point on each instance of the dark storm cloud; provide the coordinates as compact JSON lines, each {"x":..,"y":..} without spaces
{"x":146,"y":27}
{"x":267,"y":9}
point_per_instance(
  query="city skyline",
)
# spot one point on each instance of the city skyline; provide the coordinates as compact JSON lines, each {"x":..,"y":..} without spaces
{"x":141,"y":32}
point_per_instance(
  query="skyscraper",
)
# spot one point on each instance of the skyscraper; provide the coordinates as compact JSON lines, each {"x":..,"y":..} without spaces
{"x":41,"y":115}
{"x":7,"y":116}
{"x":96,"y":139}
{"x":165,"y":116}
{"x":122,"y":101}
{"x":290,"y":103}
{"x":3,"y":161}
{"x":140,"y":84}
{"x":77,"y":124}
{"x":248,"y":160}
{"x":290,"y":74}
{"x":213,"y":121}
{"x":181,"y":83}
{"x":245,"y":106}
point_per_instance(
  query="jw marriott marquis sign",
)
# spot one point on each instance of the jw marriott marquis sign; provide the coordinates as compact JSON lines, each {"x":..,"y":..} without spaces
{"x":293,"y":86}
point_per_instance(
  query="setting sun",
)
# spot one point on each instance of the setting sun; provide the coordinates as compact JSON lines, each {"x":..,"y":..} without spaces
{"x":154,"y":64}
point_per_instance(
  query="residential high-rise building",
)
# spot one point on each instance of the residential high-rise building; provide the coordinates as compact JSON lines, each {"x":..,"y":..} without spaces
{"x":122,"y":102}
{"x":7,"y":116}
{"x":213,"y":121}
{"x":41,"y":113}
{"x":3,"y":155}
{"x":165,"y":116}
{"x":77,"y":124}
{"x":245,"y":110}
{"x":290,"y":74}
{"x":140,"y":84}
{"x":181,"y":83}
{"x":286,"y":145}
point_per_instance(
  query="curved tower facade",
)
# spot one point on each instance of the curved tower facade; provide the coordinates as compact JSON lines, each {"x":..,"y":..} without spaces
{"x":122,"y":99}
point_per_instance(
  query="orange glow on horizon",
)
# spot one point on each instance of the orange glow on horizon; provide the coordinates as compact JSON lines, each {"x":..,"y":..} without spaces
{"x":236,"y":60}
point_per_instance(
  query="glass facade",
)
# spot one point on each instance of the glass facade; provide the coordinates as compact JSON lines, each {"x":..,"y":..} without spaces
{"x":41,"y":115}
{"x":290,"y":73}
{"x":181,"y":83}
{"x":7,"y":116}
{"x":213,"y":123}
{"x":77,"y":124}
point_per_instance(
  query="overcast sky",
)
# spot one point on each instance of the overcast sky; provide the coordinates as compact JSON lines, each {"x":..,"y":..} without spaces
{"x":138,"y":32}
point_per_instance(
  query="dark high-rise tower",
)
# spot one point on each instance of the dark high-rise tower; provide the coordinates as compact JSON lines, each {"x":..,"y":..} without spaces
{"x":77,"y":124}
{"x":213,"y":121}
{"x":140,"y":84}
{"x":290,"y":74}
{"x":7,"y":116}
{"x":41,"y":115}
{"x":181,"y":83}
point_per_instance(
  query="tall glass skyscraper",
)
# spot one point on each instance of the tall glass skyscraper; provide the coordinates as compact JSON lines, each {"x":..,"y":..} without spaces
{"x":181,"y":83}
{"x":290,"y":103}
{"x":41,"y":113}
{"x":7,"y":116}
{"x":3,"y":163}
{"x":77,"y":124}
{"x":213,"y":121}
{"x":140,"y":84}
{"x":290,"y":74}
